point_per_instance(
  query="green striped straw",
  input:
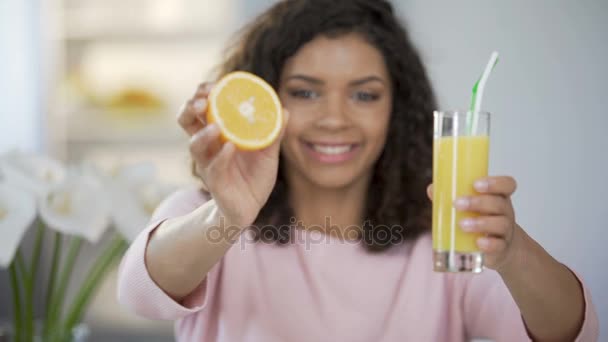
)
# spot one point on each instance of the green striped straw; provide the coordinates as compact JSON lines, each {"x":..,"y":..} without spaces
{"x":473,"y":115}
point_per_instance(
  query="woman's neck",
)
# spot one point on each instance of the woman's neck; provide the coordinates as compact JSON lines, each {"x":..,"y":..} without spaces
{"x":334,"y":211}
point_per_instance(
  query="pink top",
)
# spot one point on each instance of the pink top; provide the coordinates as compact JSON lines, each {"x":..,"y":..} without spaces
{"x":326,"y":291}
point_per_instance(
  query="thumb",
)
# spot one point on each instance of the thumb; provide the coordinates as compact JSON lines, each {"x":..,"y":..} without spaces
{"x":429,"y":191}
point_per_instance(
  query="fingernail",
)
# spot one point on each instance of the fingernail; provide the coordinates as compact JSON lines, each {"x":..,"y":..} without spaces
{"x":483,"y":243}
{"x":481,"y":185}
{"x":199,"y":105}
{"x":462,"y":203}
{"x":468,"y":225}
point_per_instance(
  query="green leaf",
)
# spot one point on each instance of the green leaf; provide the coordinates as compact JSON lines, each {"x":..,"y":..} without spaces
{"x":92,"y":281}
{"x":16,"y":300}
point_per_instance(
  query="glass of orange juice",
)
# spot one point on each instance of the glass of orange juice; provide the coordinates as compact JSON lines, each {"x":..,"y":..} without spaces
{"x":460,"y":157}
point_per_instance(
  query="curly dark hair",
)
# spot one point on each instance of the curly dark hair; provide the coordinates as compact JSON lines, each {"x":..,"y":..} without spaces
{"x":397,"y":196}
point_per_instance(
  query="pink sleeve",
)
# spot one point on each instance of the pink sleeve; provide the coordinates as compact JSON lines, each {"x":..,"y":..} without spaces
{"x":591,"y":325}
{"x":490,"y":312}
{"x":136,"y":289}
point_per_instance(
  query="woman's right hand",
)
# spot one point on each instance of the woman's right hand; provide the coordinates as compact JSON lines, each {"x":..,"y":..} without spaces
{"x":240,"y":182}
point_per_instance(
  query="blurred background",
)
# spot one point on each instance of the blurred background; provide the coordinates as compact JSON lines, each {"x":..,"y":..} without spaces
{"x":102,"y":80}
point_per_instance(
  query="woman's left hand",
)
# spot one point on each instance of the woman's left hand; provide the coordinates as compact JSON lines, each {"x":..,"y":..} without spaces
{"x":550,"y":313}
{"x":496,"y":221}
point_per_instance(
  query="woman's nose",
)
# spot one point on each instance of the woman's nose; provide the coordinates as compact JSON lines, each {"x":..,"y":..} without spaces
{"x":334,"y":113}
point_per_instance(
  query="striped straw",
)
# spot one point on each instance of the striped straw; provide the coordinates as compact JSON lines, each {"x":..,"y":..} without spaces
{"x":478,"y":89}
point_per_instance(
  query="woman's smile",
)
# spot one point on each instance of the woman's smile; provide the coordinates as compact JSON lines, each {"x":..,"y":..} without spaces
{"x":331,"y":152}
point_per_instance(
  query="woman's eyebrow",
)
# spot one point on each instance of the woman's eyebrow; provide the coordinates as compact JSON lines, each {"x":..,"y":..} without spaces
{"x":367,"y":79}
{"x":305,"y":78}
{"x":310,"y":79}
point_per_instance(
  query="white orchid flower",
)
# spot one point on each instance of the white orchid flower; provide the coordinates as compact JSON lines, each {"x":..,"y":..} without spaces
{"x":77,"y":206}
{"x":134,"y":194}
{"x":17,"y":212}
{"x":33,"y":173}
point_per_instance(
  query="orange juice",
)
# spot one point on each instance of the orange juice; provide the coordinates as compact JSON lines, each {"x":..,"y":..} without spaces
{"x":457,"y":163}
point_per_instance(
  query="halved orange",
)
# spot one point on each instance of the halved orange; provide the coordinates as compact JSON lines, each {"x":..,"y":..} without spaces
{"x":246,"y":109}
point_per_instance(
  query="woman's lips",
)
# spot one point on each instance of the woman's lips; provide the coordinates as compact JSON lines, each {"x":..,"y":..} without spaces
{"x":331,"y":153}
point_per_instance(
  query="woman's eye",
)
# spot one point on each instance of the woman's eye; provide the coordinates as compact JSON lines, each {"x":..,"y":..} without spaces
{"x":304,"y":94}
{"x":366,"y":97}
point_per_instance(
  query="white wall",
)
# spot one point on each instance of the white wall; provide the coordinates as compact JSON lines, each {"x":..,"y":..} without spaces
{"x":549,"y":97}
{"x":20,"y":114}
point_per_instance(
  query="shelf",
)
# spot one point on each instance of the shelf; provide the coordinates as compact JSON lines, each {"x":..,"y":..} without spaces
{"x":108,"y":47}
{"x":160,"y":20}
{"x":138,"y":37}
{"x":125,"y":142}
{"x":96,"y":126}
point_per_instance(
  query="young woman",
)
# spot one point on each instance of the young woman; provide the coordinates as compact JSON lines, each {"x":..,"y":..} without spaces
{"x":338,"y":208}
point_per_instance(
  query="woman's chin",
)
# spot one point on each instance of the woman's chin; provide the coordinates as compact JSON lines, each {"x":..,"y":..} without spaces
{"x":333,"y":180}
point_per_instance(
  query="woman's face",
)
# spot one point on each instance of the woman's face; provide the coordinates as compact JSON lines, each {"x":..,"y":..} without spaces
{"x":339,"y":96}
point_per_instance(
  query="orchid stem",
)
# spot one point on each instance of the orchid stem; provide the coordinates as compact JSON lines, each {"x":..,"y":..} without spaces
{"x":92,"y":281}
{"x":21,"y":268}
{"x":52,"y":280}
{"x":59,"y":296}
{"x":30,"y":281}
{"x":16,"y":299}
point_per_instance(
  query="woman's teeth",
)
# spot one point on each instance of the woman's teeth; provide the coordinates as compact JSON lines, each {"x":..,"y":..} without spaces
{"x":338,"y":149}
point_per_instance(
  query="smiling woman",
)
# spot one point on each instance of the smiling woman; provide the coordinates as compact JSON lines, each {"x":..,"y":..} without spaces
{"x":339,"y":95}
{"x":346,"y":128}
{"x":337,"y":207}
